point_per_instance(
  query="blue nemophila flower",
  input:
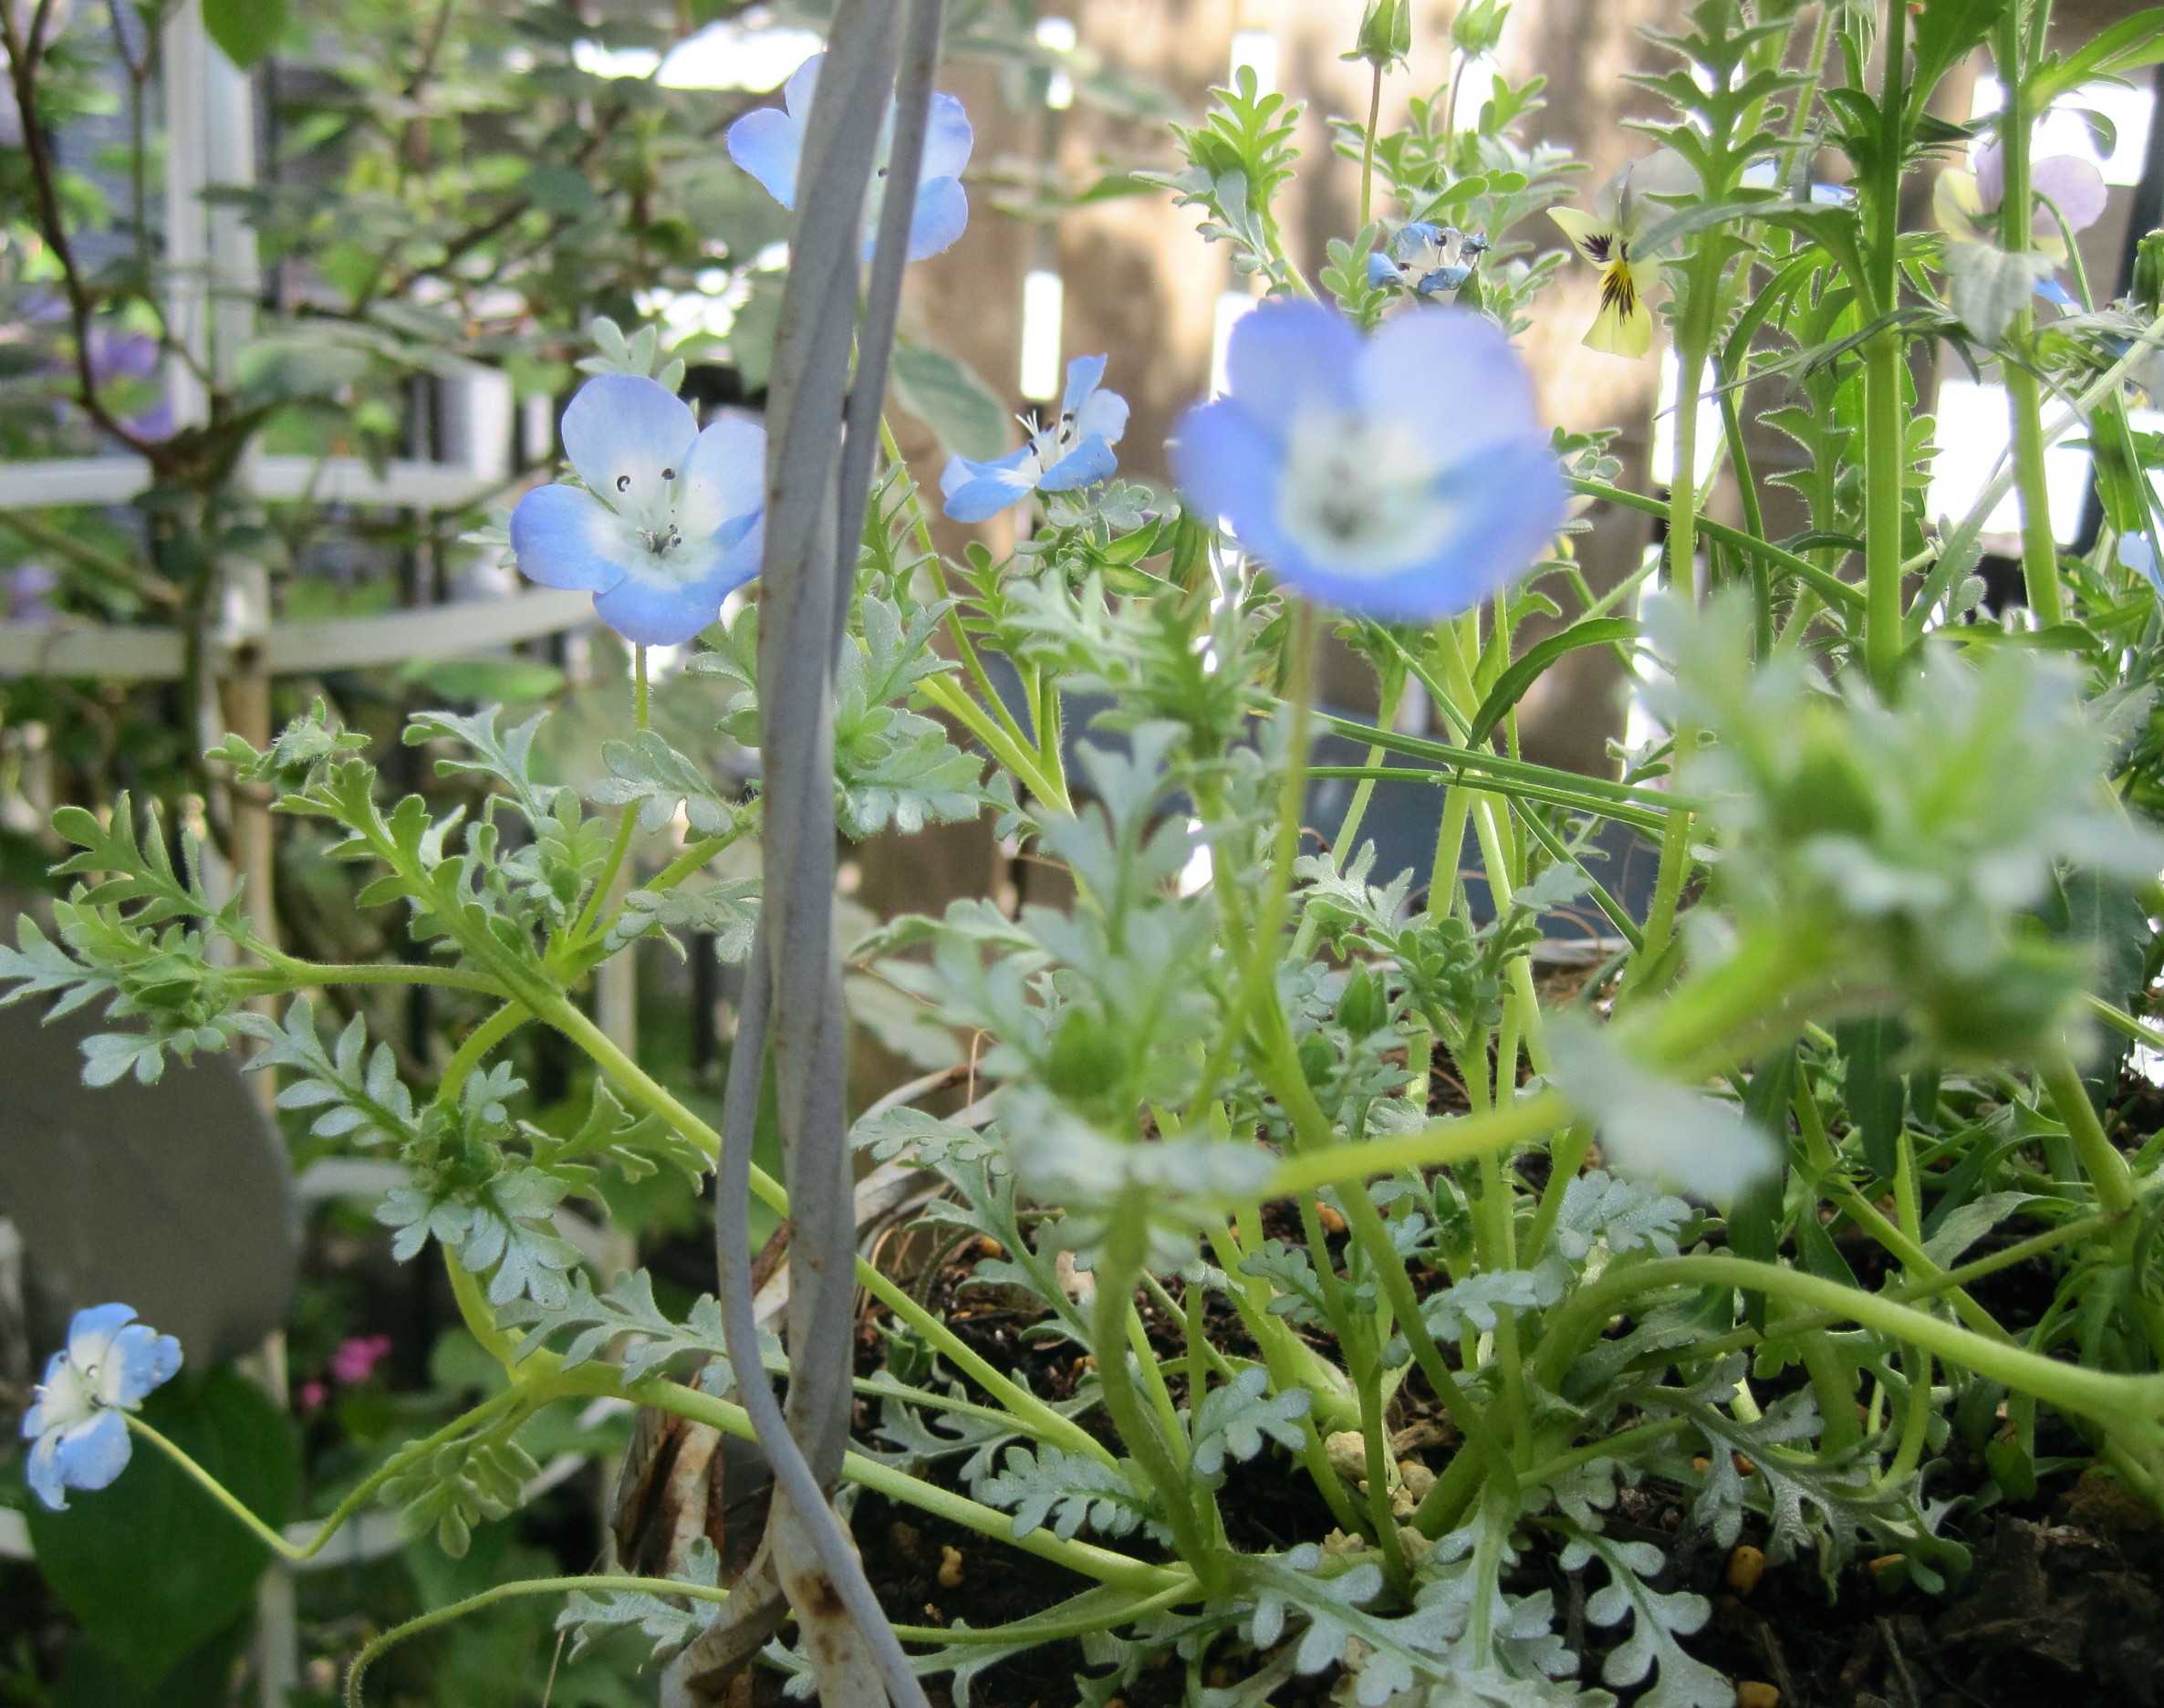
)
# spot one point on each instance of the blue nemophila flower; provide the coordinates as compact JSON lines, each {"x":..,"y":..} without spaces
{"x":1402,"y":475}
{"x":111,"y":1362}
{"x":768,"y":144}
{"x":1426,"y":260}
{"x":669,"y":521}
{"x":1075,"y":451}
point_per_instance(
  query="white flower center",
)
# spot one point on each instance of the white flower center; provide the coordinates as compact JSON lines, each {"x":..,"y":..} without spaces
{"x":1362,"y":497}
{"x":1047,"y":446}
{"x":72,"y":1396}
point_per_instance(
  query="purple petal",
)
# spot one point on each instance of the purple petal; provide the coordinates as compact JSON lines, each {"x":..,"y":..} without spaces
{"x":1991,"y":175}
{"x":628,"y":436}
{"x":2073,"y":186}
{"x":564,"y":537}
{"x":1288,"y":357}
{"x":768,"y":144}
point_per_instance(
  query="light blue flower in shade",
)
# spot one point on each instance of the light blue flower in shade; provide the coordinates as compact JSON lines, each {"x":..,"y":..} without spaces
{"x":1425,"y":260}
{"x":2140,"y":557}
{"x":670,"y":520}
{"x":79,"y":1439}
{"x":769,"y":142}
{"x":1404,"y":475}
{"x":1075,"y":451}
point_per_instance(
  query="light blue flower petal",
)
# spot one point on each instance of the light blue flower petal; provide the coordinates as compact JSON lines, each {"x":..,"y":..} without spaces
{"x":1443,"y":279}
{"x":1103,"y":416}
{"x":767,"y":143}
{"x":2138,"y":556}
{"x":1452,"y":375}
{"x":1381,"y":273}
{"x":947,"y":139}
{"x":147,"y":1360}
{"x":724,"y":478}
{"x":941,"y":216}
{"x":1514,"y":500}
{"x":961,"y":470}
{"x":668,"y":608}
{"x":629,"y":437}
{"x":1412,"y":237}
{"x":1085,"y":465}
{"x":90,"y":1455}
{"x":99,"y":1322}
{"x":43,"y":1472}
{"x":803,"y":84}
{"x":2052,"y":291}
{"x":1084,"y":374}
{"x":564,"y":537}
{"x":980,"y":500}
{"x":1285,"y":357}
{"x":1227,"y":461}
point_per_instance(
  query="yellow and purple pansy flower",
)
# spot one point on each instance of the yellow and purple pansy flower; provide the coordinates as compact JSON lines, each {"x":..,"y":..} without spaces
{"x":1610,"y":238}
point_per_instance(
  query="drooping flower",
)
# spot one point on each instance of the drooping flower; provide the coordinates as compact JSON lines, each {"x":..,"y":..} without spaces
{"x":1402,"y":475}
{"x":1966,"y":203}
{"x":110,"y":1363}
{"x":1611,"y":238}
{"x":668,"y":522}
{"x":1074,"y":451}
{"x":768,"y":143}
{"x":1426,"y":260}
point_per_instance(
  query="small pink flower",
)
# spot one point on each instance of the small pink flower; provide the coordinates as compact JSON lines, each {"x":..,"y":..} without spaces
{"x":312,"y":1396}
{"x":355,"y":1359}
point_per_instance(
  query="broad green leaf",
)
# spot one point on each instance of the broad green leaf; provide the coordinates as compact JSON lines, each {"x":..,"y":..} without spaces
{"x":942,"y":393}
{"x":151,"y":1566}
{"x":246,"y":29}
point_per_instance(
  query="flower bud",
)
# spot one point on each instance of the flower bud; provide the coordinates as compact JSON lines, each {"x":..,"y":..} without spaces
{"x":2149,"y":273}
{"x":1386,"y":33}
{"x":1363,"y":1009}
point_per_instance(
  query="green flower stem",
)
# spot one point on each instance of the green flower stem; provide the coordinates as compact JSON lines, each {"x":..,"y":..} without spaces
{"x":694,"y":857}
{"x":1447,"y":780}
{"x":499,"y":1342}
{"x":2110,"y":1178}
{"x":1280,"y":1072}
{"x":2105,"y":385}
{"x":1083,"y":1557}
{"x":1355,"y":812}
{"x":964,"y":648}
{"x":361,"y":1494}
{"x":1293,"y":1364}
{"x":1915,"y":1262}
{"x":1184,"y":1503}
{"x":1012,"y":749}
{"x":284,"y":972}
{"x":1623,"y":1445}
{"x":1498,"y":774}
{"x":476,"y":1048}
{"x":2101,"y":1161}
{"x":639,"y":1087}
{"x":1669,"y":878}
{"x":627,"y":824}
{"x":2133,"y":1402}
{"x":1830,"y":587}
{"x":1153,"y":1379}
{"x":2024,"y":404}
{"x":1460,"y":1139}
{"x":1049,"y":1628}
{"x":1368,"y":147}
{"x":2119,"y":1020}
{"x":1885,"y":444}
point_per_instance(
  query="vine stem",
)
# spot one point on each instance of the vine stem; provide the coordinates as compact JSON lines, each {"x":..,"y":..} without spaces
{"x":2040,"y":549}
{"x":361,"y":1494}
{"x":1886,"y":455}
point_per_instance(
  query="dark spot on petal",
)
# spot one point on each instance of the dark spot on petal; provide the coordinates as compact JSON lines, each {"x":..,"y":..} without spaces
{"x":882,"y":171}
{"x":1596,"y":246}
{"x":668,"y":473}
{"x":623,"y":482}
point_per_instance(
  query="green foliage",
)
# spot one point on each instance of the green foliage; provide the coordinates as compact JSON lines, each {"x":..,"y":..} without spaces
{"x":95,"y":1554}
